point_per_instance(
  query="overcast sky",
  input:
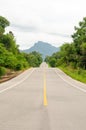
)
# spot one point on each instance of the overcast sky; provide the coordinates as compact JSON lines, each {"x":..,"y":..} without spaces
{"x":50,"y":21}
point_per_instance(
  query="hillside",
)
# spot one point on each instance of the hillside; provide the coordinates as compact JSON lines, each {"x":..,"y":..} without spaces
{"x":43,"y":48}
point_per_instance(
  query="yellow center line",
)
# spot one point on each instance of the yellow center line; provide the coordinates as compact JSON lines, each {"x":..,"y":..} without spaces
{"x":45,"y":94}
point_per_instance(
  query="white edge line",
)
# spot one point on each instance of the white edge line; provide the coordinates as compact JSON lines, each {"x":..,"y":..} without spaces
{"x":17,"y":83}
{"x":83,"y":90}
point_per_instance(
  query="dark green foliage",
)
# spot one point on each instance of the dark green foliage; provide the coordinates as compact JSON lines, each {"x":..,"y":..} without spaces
{"x":4,"y":22}
{"x":19,"y":66}
{"x":52,"y":62}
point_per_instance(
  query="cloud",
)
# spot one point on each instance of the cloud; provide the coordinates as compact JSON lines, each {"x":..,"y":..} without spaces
{"x":46,"y":20}
{"x":24,"y":28}
{"x":61,"y":35}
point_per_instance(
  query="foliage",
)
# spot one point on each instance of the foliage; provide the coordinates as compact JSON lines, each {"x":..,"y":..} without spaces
{"x":3,"y":24}
{"x":80,"y":33}
{"x":21,"y":62}
{"x":2,"y":71}
{"x":10,"y":61}
{"x":78,"y":74}
{"x":9,"y":42}
{"x":34,"y":59}
{"x":7,"y":59}
{"x":10,"y":56}
{"x":52,"y":62}
{"x":72,"y":54}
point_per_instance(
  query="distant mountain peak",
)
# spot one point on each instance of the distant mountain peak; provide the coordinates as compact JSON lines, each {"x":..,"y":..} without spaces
{"x":44,"y":48}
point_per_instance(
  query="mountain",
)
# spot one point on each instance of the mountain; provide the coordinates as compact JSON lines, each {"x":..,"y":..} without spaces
{"x":43,"y":48}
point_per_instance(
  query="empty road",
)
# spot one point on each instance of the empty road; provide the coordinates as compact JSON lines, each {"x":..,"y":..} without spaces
{"x":42,"y":99}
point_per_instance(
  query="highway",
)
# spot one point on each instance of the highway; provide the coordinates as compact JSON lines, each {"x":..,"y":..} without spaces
{"x":42,"y":99}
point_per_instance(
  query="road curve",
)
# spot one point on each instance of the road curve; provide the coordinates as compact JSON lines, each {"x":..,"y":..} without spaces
{"x":42,"y":99}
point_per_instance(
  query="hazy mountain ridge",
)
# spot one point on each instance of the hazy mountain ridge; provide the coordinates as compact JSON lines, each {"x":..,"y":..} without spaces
{"x":43,"y":48}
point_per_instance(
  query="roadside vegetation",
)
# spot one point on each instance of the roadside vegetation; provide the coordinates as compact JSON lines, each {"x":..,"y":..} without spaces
{"x":72,"y":56}
{"x":11,"y":59}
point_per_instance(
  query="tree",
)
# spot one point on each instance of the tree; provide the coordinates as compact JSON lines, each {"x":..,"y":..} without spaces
{"x":10,"y":43}
{"x":3,"y":52}
{"x":34,"y":59}
{"x":80,"y":32}
{"x":3,"y":24}
{"x":21,"y":62}
{"x":73,"y":54}
{"x":10,"y":56}
{"x":10,"y":61}
{"x":2,"y":71}
{"x":52,"y":62}
{"x":47,"y":59}
{"x":83,"y":56}
{"x":79,"y":36}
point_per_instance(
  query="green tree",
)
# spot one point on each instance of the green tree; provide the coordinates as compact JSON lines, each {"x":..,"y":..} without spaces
{"x":10,"y":61}
{"x":52,"y":62}
{"x":2,"y":71}
{"x":79,"y":36}
{"x":83,"y":56}
{"x":34,"y":59}
{"x":21,"y":62}
{"x":10,"y":43}
{"x":3,"y":24}
{"x":80,"y":32}
{"x":3,"y":52}
{"x":47,"y":59}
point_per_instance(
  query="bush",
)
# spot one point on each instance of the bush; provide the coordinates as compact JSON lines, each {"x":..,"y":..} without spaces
{"x":52,"y":62}
{"x":2,"y":71}
{"x":73,"y":65}
{"x":19,"y":66}
{"x":10,"y":61}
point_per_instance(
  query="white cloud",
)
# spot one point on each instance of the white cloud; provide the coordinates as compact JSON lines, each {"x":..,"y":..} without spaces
{"x":47,"y":20}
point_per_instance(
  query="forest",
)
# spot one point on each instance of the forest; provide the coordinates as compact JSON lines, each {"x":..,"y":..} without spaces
{"x":11,"y":58}
{"x":72,"y":56}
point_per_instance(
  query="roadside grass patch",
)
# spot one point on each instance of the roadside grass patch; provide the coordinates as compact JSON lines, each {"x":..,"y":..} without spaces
{"x":78,"y":74}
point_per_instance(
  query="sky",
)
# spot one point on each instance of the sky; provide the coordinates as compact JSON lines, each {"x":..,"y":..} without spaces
{"x":50,"y":21}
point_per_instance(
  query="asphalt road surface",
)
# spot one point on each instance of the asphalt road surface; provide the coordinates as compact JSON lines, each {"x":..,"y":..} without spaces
{"x":42,"y":99}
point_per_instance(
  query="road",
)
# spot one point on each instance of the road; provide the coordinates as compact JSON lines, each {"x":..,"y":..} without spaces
{"x":42,"y":99}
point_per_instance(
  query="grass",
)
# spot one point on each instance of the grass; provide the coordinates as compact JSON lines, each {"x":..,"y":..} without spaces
{"x":78,"y":74}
